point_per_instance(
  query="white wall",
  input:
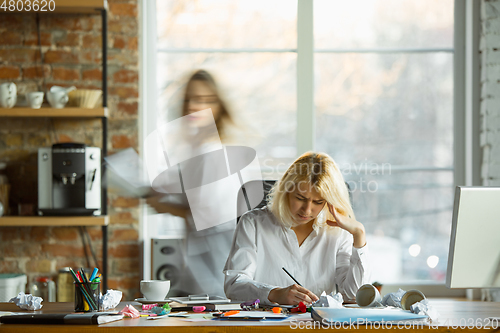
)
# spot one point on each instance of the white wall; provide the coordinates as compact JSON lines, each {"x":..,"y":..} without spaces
{"x":490,"y":91}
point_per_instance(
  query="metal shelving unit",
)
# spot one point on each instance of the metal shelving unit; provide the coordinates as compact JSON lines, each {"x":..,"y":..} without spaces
{"x":74,"y":7}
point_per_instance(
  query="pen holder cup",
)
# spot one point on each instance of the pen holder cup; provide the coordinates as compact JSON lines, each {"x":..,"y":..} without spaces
{"x":87,"y":296}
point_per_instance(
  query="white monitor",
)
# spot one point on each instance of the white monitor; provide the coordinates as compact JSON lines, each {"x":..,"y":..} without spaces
{"x":474,"y":257}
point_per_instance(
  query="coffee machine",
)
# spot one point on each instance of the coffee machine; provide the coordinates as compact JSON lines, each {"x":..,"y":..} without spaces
{"x":69,"y":180}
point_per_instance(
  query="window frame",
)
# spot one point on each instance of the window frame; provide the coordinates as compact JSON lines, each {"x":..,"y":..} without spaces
{"x":466,"y":99}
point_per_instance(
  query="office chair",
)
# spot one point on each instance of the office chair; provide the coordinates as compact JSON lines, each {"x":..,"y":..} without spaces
{"x":253,"y":194}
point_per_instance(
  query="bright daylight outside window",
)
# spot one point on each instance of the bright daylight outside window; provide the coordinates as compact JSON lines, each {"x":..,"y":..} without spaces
{"x":383,"y":78}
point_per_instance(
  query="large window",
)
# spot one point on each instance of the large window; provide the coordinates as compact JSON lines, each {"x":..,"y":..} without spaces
{"x":383,"y":103}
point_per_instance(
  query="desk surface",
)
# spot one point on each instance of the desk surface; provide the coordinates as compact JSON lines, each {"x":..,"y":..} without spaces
{"x":453,"y":315}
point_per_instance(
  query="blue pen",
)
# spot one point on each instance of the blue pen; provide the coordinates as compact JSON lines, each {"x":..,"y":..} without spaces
{"x":94,"y":273}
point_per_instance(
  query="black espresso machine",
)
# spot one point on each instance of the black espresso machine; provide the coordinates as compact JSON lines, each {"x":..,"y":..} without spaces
{"x":69,"y":180}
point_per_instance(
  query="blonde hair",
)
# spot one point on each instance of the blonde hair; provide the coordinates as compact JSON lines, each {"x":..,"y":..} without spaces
{"x":320,"y":171}
{"x":224,"y":119}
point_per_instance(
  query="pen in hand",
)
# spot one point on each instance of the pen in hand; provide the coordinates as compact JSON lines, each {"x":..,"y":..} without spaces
{"x":290,"y":275}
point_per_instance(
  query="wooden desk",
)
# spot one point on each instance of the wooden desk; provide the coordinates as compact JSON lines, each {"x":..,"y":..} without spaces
{"x":453,"y":313}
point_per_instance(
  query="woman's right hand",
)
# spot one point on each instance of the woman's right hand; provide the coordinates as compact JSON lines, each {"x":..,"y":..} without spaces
{"x":292,"y":295}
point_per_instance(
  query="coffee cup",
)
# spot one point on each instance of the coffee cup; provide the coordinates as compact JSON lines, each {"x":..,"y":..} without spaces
{"x":411,"y":297}
{"x":368,"y":296}
{"x":155,"y":290}
{"x":8,"y":94}
{"x":57,"y":99}
{"x":35,"y":99}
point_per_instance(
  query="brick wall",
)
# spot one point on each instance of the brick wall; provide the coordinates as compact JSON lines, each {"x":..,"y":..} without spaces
{"x":490,"y":91}
{"x":71,"y":48}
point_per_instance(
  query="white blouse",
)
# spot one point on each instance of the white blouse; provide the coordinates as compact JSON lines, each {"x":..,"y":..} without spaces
{"x":262,"y":246}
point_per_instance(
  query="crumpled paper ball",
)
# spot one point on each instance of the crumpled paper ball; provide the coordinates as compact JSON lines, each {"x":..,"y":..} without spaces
{"x":130,"y":311}
{"x":27,"y":302}
{"x":329,"y":301}
{"x":424,"y":308}
{"x":111,"y":299}
{"x":393,"y":299}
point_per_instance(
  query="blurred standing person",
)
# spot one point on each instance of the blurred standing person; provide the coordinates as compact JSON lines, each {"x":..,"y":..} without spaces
{"x":206,"y":250}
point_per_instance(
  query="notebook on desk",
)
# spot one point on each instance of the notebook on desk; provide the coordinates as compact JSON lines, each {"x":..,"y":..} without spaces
{"x":362,"y":315}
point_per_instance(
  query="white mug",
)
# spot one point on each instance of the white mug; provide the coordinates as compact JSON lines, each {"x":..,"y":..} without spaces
{"x":368,"y":296}
{"x":57,"y":99}
{"x":8,"y":94}
{"x":155,"y":290}
{"x":411,"y":297}
{"x":35,"y":99}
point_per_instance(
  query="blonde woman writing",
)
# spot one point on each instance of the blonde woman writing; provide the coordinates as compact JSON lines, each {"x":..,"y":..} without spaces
{"x":310,"y":229}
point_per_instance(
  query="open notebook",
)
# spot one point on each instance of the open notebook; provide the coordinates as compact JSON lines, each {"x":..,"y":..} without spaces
{"x":362,"y":315}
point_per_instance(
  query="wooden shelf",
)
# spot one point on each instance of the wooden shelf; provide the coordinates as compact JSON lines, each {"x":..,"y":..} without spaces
{"x":54,"y":221}
{"x":65,"y":6}
{"x":50,"y":112}
{"x":80,"y":6}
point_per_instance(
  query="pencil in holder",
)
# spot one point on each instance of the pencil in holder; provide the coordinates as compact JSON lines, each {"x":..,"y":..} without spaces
{"x":87,"y":296}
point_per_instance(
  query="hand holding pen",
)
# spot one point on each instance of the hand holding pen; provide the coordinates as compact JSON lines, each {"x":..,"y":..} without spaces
{"x":292,"y":295}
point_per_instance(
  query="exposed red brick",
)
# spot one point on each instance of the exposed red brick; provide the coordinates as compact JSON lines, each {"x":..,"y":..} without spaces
{"x":60,"y":57}
{"x":128,"y":108}
{"x":95,"y":233}
{"x":76,"y":124}
{"x":124,"y":251}
{"x":65,"y":234}
{"x":39,"y":234}
{"x":90,"y":57}
{"x":9,"y":266}
{"x":126,"y":76}
{"x":123,"y":25}
{"x":31,"y":38}
{"x":39,"y":139}
{"x":60,"y":250}
{"x":19,"y":55}
{"x":61,"y":138}
{"x":70,"y":262}
{"x":124,"y":202}
{"x":11,"y":22}
{"x":128,"y":265}
{"x":65,"y":74}
{"x":124,"y":235}
{"x":125,"y":42}
{"x":132,"y":43}
{"x":9,"y":72}
{"x":122,"y":58}
{"x":70,"y":39}
{"x":35,"y":72}
{"x":92,"y":74}
{"x":10,"y":37}
{"x":122,"y":218}
{"x":121,"y":141}
{"x":124,"y":92}
{"x":9,"y":234}
{"x":123,"y":9}
{"x":38,"y":266}
{"x":92,"y":41}
{"x":67,"y":23}
{"x":12,"y":140}
{"x":119,"y":42}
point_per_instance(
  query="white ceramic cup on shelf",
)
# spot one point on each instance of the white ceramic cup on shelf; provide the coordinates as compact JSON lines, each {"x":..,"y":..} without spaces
{"x":8,"y":95}
{"x":57,"y":99}
{"x":155,"y":290}
{"x":35,"y":99}
{"x":368,"y":296}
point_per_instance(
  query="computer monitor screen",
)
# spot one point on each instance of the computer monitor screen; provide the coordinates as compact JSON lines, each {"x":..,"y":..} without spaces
{"x":474,"y":257}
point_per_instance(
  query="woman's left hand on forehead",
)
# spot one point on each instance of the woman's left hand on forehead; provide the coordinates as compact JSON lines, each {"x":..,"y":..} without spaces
{"x":342,"y":221}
